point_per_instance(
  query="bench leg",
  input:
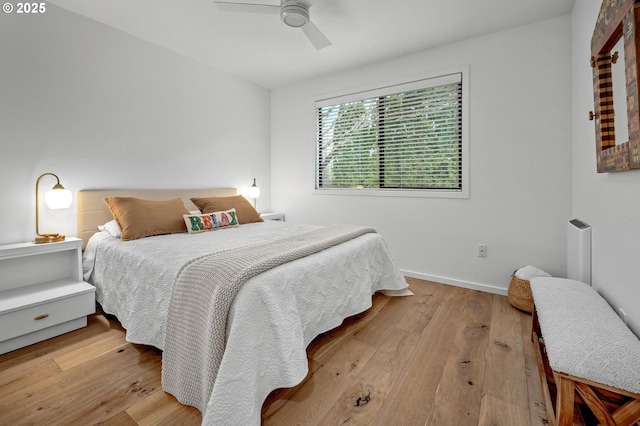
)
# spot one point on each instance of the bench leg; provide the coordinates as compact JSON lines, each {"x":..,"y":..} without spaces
{"x":595,"y":405}
{"x":564,"y":401}
{"x":628,"y":414}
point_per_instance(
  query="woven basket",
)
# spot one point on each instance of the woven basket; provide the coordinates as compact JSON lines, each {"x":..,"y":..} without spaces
{"x":520,"y":294}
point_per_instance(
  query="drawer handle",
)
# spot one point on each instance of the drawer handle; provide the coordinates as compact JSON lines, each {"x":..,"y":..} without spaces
{"x":40,"y":317}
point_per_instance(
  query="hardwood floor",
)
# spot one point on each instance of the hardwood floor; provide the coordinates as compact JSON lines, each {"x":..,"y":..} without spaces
{"x":446,"y":356}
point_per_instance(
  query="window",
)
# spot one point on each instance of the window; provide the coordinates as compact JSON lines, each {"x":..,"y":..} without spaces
{"x":404,"y":139}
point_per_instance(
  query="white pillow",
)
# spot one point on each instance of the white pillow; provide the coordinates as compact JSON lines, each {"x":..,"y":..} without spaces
{"x":112,"y":228}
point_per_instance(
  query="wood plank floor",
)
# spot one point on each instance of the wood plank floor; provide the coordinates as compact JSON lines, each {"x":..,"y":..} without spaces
{"x":446,"y":356}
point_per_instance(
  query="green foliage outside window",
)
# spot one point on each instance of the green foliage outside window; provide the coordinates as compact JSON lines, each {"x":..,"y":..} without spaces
{"x":408,"y":140}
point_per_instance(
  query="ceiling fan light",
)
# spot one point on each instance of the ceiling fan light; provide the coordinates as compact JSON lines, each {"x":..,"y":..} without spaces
{"x":294,"y":15}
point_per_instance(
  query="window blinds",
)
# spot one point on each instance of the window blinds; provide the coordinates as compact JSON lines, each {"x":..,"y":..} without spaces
{"x":405,"y":136}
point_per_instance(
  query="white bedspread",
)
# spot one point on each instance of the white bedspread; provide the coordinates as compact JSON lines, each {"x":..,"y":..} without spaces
{"x":273,"y":319}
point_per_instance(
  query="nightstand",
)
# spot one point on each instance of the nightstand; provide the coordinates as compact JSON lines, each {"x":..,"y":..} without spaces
{"x":42,"y":293}
{"x":272,"y":216}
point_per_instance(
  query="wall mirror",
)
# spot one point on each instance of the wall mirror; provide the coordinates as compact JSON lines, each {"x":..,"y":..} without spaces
{"x":615,"y":88}
{"x":619,"y":86}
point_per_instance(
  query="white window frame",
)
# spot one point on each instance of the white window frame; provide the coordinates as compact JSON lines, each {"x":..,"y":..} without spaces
{"x":395,"y":87}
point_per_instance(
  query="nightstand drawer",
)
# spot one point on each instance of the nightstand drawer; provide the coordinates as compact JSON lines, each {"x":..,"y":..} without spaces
{"x":38,"y":317}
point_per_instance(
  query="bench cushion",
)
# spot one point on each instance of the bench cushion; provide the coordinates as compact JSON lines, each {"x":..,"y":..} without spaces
{"x":583,"y":335}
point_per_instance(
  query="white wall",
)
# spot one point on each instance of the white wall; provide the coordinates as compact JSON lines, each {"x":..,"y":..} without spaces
{"x":102,"y":109}
{"x":608,"y":202}
{"x":520,"y":159}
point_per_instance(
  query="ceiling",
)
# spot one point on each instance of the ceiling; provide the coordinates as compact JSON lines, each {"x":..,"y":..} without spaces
{"x":262,"y":49}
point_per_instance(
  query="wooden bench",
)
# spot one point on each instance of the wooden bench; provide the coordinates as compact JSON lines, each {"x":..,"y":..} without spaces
{"x":588,"y":359}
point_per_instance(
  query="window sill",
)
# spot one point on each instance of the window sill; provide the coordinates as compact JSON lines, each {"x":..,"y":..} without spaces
{"x":406,"y":193}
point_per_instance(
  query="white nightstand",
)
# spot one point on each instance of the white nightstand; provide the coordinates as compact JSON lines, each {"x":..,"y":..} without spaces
{"x":42,"y":293}
{"x":272,"y":216}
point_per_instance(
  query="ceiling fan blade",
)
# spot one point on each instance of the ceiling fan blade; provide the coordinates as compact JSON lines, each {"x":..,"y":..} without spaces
{"x":248,"y":7}
{"x":315,"y":36}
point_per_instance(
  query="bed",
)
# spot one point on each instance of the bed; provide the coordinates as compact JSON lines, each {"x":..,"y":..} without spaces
{"x":160,"y":289}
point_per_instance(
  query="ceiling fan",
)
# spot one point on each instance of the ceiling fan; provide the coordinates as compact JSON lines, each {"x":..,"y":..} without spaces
{"x":292,"y":12}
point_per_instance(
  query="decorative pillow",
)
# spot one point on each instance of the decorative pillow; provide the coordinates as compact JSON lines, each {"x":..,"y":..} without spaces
{"x":210,"y":221}
{"x":112,"y":228}
{"x":244,"y":210}
{"x":140,"y":218}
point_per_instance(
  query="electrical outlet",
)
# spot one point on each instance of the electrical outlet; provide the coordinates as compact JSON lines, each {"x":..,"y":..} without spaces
{"x":482,"y":250}
{"x":623,"y":315}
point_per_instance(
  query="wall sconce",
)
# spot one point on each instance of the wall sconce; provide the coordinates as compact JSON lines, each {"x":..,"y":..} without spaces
{"x":254,"y":192}
{"x":55,"y":198}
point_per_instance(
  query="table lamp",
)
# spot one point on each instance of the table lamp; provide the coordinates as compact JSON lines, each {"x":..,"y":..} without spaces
{"x":254,"y":192}
{"x":55,"y":198}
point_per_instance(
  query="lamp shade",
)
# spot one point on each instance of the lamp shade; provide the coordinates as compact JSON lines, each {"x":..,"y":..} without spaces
{"x":58,"y":198}
{"x":254,"y":191}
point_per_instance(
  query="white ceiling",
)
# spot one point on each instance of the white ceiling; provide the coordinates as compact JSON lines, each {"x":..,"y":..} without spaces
{"x":261,"y":49}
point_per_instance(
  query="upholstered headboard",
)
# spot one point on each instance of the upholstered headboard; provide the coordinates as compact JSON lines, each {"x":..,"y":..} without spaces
{"x":93,"y":211}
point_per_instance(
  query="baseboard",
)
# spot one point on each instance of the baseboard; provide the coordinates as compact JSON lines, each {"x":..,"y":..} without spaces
{"x":458,"y":283}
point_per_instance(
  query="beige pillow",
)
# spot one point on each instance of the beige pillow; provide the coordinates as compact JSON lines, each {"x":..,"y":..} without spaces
{"x":244,"y":210}
{"x":140,"y":218}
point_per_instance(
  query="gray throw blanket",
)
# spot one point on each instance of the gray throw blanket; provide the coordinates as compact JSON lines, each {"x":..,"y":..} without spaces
{"x":201,"y":299}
